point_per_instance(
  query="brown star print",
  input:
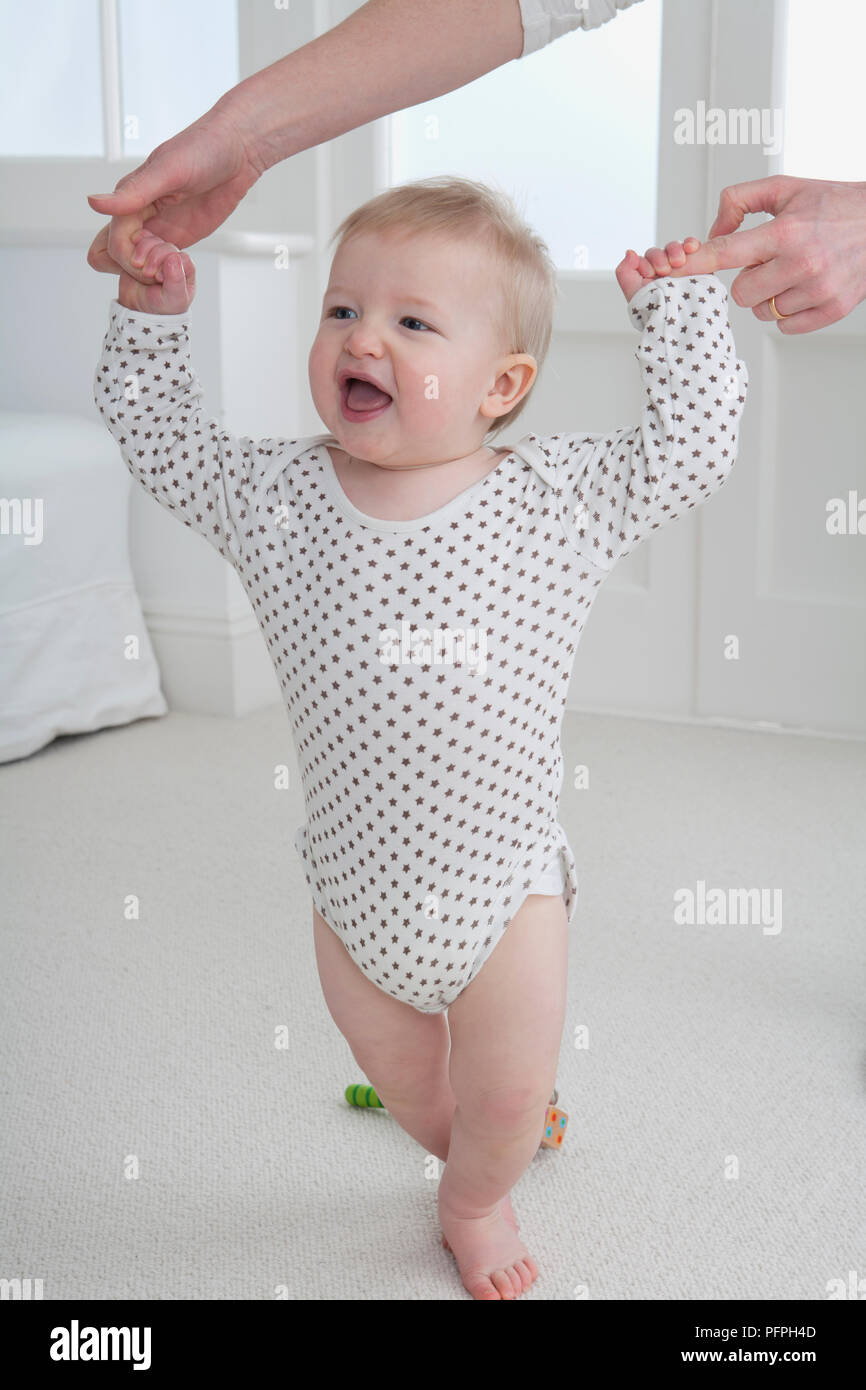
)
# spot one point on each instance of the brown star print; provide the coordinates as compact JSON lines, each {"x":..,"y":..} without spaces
{"x":431,"y":791}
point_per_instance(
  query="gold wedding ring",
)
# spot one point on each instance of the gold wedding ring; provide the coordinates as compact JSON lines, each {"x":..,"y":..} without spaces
{"x":774,"y":311}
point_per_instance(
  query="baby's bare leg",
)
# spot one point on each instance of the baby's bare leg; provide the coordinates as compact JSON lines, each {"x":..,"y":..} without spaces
{"x":506,"y":1031}
{"x":402,"y":1052}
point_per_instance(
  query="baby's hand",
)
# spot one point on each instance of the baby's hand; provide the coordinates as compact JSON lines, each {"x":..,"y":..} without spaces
{"x":634,"y":271}
{"x":173,"y":272}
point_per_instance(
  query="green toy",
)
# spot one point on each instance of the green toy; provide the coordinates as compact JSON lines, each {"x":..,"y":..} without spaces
{"x":364,"y":1097}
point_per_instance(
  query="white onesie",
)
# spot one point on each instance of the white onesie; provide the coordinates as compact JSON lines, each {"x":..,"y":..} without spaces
{"x":431,"y":773}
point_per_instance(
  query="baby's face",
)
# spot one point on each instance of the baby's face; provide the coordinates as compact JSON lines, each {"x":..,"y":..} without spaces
{"x":418,"y":316}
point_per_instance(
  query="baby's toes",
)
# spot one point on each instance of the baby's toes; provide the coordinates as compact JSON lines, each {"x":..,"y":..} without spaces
{"x":504,"y":1284}
{"x":527,"y":1271}
{"x":482,"y":1287}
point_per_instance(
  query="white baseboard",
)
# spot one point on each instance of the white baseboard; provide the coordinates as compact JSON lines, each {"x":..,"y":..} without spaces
{"x":745,"y":726}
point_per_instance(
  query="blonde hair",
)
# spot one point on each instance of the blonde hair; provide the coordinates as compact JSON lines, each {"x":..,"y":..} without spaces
{"x":478,"y":213}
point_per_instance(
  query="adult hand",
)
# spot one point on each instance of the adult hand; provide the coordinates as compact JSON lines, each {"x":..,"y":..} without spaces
{"x":183,"y":191}
{"x":811,"y":257}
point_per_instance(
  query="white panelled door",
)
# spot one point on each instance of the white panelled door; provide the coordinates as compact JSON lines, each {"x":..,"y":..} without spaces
{"x":771,"y":573}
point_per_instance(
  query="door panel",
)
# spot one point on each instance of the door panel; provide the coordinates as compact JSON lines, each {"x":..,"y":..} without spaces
{"x":770,"y":573}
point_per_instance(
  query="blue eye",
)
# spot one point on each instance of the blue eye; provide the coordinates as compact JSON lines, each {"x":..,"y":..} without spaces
{"x":340,"y":309}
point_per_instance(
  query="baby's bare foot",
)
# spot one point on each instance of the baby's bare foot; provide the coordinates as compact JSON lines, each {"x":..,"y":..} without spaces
{"x":507,"y":1211}
{"x":492,"y":1259}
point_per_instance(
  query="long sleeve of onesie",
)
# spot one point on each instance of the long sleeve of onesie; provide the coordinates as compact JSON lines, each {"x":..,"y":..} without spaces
{"x":617,"y":488}
{"x":431,"y":761}
{"x":151,"y":400}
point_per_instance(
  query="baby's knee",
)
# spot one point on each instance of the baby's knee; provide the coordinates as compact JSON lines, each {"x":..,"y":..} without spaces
{"x":505,"y":1107}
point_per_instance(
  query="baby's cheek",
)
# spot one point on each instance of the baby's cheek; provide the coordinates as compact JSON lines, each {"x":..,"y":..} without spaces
{"x":428,"y":390}
{"x":418,"y":403}
{"x":439,"y":396}
{"x":318,"y":366}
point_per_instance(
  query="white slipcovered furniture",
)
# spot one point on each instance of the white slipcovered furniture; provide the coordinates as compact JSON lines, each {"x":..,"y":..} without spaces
{"x":75,"y":655}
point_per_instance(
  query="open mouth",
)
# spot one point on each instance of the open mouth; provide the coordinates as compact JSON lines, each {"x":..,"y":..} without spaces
{"x":361,"y":400}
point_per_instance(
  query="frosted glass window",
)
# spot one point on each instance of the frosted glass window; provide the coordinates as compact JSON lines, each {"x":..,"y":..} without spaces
{"x":569,"y":133}
{"x":50,"y":79}
{"x":823,"y":124}
{"x":176,"y":61}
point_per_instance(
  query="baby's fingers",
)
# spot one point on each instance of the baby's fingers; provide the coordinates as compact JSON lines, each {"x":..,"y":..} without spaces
{"x":629,"y":275}
{"x":177,"y":259}
{"x":149,"y":253}
{"x":158,"y":259}
{"x":188,"y":269}
{"x":673,"y":257}
{"x":176,"y":286}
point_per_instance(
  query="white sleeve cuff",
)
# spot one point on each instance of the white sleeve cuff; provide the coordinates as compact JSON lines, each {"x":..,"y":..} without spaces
{"x":547,"y":20}
{"x":142,"y":317}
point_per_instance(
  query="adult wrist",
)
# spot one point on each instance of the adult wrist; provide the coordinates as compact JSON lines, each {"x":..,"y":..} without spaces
{"x":249,"y":108}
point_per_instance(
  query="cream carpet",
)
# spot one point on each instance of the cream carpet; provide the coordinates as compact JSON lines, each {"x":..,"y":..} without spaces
{"x":157,"y":1143}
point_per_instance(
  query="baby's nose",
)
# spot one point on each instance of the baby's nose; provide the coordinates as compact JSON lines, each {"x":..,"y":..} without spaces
{"x":365,"y":338}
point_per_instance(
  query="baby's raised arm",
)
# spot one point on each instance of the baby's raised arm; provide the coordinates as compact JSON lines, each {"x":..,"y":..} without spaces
{"x":151,"y":400}
{"x":615,"y":489}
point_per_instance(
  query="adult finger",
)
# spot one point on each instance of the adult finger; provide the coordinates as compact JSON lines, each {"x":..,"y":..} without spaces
{"x":778,"y":276}
{"x":131,"y":204}
{"x":113,"y":246}
{"x":159,"y":176}
{"x":804,"y":308}
{"x":758,"y":195}
{"x":730,"y":251}
{"x":788,"y":302}
{"x":99,"y":257}
{"x":811,"y":319}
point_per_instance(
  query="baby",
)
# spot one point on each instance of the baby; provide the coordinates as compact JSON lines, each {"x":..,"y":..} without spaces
{"x":376,"y":556}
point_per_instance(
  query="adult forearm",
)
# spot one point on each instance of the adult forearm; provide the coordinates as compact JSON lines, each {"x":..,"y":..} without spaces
{"x":388,"y":55}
